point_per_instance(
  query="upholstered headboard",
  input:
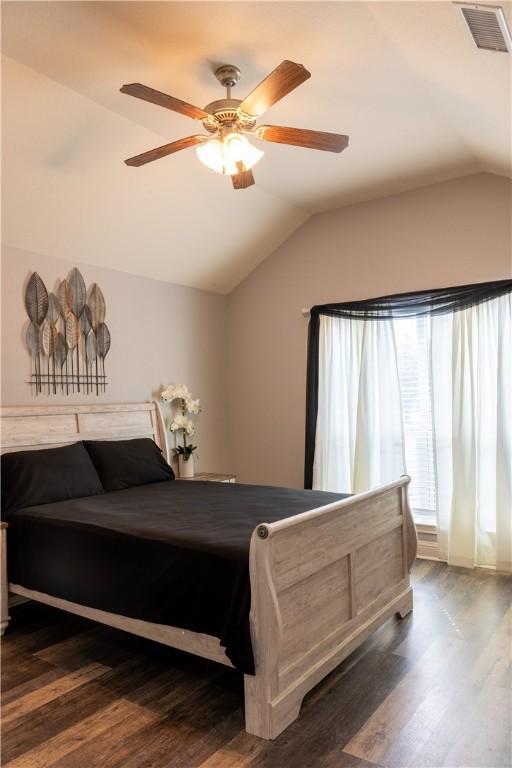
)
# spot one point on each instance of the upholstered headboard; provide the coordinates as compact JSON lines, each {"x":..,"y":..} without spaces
{"x":46,"y":426}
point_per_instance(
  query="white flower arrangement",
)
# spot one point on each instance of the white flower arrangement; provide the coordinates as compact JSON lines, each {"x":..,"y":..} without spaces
{"x":179,"y":420}
{"x":182,"y":422}
{"x":174,"y":392}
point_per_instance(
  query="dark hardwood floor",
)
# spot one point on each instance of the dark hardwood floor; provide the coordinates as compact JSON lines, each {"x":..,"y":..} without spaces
{"x":429,"y":691}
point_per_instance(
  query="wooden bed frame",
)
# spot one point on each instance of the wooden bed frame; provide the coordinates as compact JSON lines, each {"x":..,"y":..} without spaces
{"x":321,"y":581}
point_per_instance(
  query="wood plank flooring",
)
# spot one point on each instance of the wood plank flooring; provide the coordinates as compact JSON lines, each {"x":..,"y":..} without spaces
{"x":431,"y":691}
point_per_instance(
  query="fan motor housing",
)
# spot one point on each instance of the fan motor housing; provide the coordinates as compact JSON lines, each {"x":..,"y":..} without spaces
{"x":227,"y":111}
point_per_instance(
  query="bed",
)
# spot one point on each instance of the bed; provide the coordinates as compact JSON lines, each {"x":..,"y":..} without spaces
{"x":301,"y":578}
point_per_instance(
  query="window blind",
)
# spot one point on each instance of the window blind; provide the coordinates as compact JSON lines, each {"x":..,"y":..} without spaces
{"x":412,"y":337}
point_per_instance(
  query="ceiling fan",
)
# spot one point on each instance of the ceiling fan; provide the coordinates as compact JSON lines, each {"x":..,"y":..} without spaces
{"x":228,"y":121}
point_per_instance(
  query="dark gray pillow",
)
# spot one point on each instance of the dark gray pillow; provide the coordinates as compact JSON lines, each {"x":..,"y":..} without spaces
{"x":125,"y":463}
{"x":43,"y":476}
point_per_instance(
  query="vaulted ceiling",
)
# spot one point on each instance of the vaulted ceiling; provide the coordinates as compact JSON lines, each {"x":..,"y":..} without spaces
{"x":404,"y":79}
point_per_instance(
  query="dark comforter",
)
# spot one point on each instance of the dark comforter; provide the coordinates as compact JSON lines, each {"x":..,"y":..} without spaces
{"x":173,"y":553}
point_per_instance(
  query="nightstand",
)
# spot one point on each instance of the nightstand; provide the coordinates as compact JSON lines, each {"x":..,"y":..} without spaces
{"x":213,"y":477}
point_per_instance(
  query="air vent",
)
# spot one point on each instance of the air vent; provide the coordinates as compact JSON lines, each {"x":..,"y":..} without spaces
{"x":488,"y":27}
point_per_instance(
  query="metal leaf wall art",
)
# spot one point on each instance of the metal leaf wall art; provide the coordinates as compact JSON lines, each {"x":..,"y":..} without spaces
{"x":97,"y":306}
{"x":64,"y":293}
{"x":102,"y":345}
{"x":36,"y":299}
{"x":67,"y":337}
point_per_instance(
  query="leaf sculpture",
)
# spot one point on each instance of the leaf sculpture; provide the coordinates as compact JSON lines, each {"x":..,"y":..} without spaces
{"x":103,"y":339}
{"x":72,"y":337}
{"x":91,"y":352}
{"x":64,"y":294}
{"x":103,"y":345}
{"x":78,"y":291}
{"x":61,"y":354}
{"x":72,"y":331}
{"x":85,"y":320}
{"x":54,"y":309}
{"x":53,"y":314}
{"x":32,"y":339}
{"x":36,"y":299}
{"x":78,"y":299}
{"x":48,"y":339}
{"x":85,"y":326}
{"x":61,"y":349}
{"x":97,"y":306}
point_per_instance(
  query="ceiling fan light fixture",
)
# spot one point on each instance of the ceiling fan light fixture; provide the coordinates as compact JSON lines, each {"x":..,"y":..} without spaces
{"x":237,"y":149}
{"x":223,"y":155}
{"x":210,"y":154}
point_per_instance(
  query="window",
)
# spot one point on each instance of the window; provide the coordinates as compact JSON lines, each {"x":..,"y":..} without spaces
{"x":412,"y":337}
{"x":429,"y":395}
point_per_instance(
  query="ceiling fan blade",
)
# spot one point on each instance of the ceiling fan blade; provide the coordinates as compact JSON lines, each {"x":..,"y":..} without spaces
{"x":167,"y":149}
{"x":242,"y":179}
{"x":280,"y":82}
{"x":300,"y":137}
{"x":163,"y":100}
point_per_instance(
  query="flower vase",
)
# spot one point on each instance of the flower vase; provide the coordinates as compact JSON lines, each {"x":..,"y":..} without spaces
{"x":186,"y":468}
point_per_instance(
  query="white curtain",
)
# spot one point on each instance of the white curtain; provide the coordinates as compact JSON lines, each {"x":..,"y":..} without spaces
{"x":472,"y":391}
{"x":359,"y":433}
{"x":359,"y":436}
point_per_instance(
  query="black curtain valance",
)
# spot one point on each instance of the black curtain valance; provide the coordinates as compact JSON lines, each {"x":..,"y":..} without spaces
{"x":438,"y":301}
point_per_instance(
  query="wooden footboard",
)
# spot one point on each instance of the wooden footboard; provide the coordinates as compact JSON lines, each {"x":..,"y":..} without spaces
{"x":321,"y":583}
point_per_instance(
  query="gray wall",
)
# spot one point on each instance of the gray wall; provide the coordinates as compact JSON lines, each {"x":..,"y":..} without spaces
{"x":447,"y":234}
{"x":245,"y":355}
{"x":160,"y":333}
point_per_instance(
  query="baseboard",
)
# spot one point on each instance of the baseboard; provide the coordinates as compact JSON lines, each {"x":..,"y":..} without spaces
{"x":428,"y":544}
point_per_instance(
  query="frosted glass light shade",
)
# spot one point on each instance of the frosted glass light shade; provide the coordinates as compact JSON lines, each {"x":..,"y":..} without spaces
{"x":222,"y":156}
{"x":211,"y":154}
{"x":238,"y":149}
